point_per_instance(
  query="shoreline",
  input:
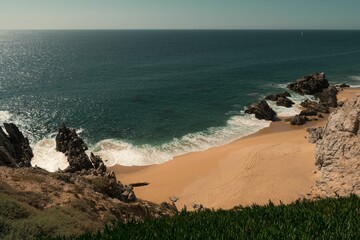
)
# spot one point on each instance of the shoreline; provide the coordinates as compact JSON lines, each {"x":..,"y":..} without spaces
{"x":274,"y":163}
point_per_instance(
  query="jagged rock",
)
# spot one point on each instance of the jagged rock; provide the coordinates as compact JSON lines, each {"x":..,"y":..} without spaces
{"x":68,"y":142}
{"x":341,"y":138}
{"x":98,"y":164}
{"x":261,"y":110}
{"x":315,"y":106}
{"x":281,"y":99}
{"x":298,"y":120}
{"x":284,"y":101}
{"x":274,"y":97}
{"x":311,"y":84}
{"x":15,"y":150}
{"x":315,"y":134}
{"x":309,"y":112}
{"x":338,"y":152}
{"x":327,"y":97}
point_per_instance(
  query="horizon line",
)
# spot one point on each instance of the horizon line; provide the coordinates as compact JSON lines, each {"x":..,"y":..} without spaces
{"x":183,"y":29}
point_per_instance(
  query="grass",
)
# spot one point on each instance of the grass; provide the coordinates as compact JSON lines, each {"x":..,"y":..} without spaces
{"x":322,"y":219}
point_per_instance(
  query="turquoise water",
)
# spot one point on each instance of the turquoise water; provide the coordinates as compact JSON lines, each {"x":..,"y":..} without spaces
{"x":141,"y":97}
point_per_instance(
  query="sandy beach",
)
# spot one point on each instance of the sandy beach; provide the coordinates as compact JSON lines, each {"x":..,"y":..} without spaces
{"x":276,"y":163}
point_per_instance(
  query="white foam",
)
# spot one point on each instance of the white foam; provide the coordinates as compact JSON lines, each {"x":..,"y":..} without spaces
{"x":355,"y":78}
{"x":123,"y":153}
{"x":4,"y":116}
{"x":295,"y":109}
{"x":45,"y":155}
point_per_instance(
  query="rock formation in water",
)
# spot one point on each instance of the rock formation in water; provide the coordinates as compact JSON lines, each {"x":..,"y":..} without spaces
{"x":338,"y":151}
{"x":281,"y":99}
{"x":15,"y":150}
{"x":317,"y":85}
{"x":261,"y":110}
{"x":310,"y":84}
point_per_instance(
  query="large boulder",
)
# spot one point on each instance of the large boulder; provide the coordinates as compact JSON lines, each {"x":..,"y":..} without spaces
{"x":328,"y":97}
{"x":311,"y":84}
{"x":15,"y":150}
{"x":284,"y":101}
{"x":261,"y":110}
{"x":298,"y":120}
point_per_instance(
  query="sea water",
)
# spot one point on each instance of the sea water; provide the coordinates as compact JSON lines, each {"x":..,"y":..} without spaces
{"x":141,"y":97}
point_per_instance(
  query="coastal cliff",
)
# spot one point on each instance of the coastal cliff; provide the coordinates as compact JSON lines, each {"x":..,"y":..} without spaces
{"x":337,"y":151}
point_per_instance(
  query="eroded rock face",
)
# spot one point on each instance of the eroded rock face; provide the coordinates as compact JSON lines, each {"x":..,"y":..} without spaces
{"x":338,"y":152}
{"x":93,"y":168}
{"x":15,"y":150}
{"x":341,"y":137}
{"x":261,"y":110}
{"x":311,"y":84}
{"x":69,"y":143}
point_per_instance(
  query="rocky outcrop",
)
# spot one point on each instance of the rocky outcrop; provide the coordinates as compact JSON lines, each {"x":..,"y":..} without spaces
{"x":309,"y":112}
{"x":69,"y":143}
{"x":311,"y":84}
{"x":285,"y":102}
{"x":341,"y":136}
{"x":274,"y":97}
{"x":328,"y":97}
{"x":315,"y":134}
{"x":338,"y":151}
{"x":15,"y":150}
{"x":298,"y":120}
{"x":281,"y":99}
{"x":261,"y":110}
{"x":314,"y":106}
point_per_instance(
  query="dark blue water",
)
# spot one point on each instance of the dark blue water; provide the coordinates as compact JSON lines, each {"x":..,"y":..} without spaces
{"x":158,"y":90}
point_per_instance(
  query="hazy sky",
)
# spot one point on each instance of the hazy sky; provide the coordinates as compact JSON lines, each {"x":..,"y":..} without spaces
{"x":180,"y":14}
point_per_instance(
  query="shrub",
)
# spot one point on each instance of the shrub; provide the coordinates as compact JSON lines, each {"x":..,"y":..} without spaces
{"x":305,"y":219}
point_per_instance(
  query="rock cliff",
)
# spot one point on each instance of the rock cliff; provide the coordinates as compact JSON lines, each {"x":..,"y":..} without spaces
{"x":338,"y":151}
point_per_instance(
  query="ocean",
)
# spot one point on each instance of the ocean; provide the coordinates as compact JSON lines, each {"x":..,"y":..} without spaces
{"x":141,"y":97}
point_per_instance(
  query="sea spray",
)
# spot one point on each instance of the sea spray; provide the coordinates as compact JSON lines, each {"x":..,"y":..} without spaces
{"x":46,"y":156}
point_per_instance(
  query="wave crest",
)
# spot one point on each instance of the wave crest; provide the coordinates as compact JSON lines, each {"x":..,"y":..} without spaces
{"x":127,"y":154}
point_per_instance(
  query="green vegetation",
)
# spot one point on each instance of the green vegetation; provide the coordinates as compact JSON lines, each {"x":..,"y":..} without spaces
{"x":22,"y":216}
{"x":322,"y":219}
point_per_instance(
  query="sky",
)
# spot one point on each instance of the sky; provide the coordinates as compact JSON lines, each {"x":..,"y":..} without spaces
{"x":179,"y":14}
